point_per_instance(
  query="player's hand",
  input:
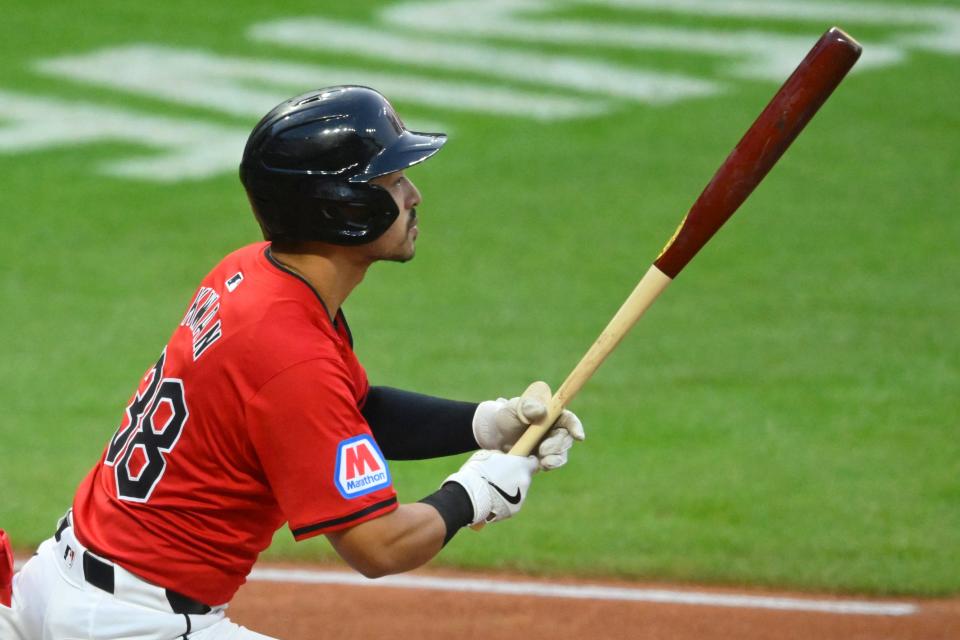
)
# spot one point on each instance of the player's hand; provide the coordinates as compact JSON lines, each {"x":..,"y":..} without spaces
{"x":498,"y":424}
{"x":497,"y":483}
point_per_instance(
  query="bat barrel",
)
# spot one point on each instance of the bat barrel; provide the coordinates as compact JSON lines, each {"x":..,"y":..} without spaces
{"x":804,"y":92}
{"x":778,"y":125}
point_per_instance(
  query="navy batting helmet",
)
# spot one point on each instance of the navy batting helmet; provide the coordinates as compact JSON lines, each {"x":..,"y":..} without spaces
{"x":308,"y":164}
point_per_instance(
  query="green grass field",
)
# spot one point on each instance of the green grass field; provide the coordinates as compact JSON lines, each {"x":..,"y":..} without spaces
{"x":787,"y":414}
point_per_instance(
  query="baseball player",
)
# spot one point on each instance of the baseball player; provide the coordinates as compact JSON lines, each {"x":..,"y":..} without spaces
{"x":257,"y":412}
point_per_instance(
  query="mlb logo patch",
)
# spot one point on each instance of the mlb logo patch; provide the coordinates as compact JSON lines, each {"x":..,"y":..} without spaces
{"x":234,"y":281}
{"x":361,"y":468}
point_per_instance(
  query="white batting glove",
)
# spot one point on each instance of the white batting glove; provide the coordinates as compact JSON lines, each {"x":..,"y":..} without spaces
{"x":498,"y":424}
{"x":497,"y":483}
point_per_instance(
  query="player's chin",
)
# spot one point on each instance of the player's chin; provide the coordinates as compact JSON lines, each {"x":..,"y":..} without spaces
{"x":404,"y":255}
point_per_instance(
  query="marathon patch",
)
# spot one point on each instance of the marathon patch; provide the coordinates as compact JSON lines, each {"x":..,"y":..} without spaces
{"x":361,"y":467}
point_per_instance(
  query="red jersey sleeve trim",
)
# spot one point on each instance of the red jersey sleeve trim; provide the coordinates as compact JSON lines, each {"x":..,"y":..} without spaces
{"x":302,"y":533}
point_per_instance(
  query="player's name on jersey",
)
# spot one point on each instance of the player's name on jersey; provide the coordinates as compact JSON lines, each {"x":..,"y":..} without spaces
{"x":203,"y":321}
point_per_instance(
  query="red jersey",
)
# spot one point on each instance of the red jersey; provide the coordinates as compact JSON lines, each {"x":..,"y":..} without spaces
{"x":249,"y":419}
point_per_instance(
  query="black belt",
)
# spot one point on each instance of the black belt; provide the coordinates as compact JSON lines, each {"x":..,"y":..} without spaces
{"x":100,"y":574}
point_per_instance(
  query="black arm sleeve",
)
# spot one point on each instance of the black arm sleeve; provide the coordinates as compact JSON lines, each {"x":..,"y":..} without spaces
{"x":412,"y":426}
{"x":455,"y":507}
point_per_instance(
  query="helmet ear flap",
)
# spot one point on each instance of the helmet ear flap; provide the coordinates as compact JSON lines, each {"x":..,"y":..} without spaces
{"x":328,"y":211}
{"x":359,"y":212}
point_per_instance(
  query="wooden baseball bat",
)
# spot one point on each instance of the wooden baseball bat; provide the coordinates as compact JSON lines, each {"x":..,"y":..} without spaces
{"x":807,"y":88}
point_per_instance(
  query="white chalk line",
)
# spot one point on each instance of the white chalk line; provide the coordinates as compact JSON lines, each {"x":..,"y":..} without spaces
{"x":582,"y":592}
{"x":586,"y":592}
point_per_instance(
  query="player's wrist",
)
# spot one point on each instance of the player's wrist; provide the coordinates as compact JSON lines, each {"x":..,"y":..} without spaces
{"x":454,"y":505}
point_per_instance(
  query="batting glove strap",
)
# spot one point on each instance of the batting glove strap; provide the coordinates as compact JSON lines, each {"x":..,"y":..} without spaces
{"x":496,"y":483}
{"x":477,"y":490}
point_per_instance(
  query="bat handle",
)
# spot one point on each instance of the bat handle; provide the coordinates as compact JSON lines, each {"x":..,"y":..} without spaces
{"x":539,"y":390}
{"x":646,"y":292}
{"x":531,"y":438}
{"x":650,"y":286}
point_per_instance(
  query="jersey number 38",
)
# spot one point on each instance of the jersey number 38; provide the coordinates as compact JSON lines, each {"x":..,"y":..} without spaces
{"x":150,"y":429}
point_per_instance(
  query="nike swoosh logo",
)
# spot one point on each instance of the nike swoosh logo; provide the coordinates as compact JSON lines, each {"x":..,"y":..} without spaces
{"x":512,"y":499}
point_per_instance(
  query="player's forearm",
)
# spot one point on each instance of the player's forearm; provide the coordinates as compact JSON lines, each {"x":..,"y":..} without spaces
{"x":400,"y":541}
{"x":414,"y":426}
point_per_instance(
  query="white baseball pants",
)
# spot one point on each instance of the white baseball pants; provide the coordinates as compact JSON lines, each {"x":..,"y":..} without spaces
{"x":53,"y":601}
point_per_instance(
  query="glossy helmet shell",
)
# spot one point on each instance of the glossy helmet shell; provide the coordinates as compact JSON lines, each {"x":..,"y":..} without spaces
{"x":308,"y":164}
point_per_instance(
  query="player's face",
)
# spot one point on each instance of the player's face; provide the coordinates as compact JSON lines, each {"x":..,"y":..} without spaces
{"x":399,"y":242}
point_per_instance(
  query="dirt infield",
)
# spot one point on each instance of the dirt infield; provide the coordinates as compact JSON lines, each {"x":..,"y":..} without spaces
{"x":445,"y":605}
